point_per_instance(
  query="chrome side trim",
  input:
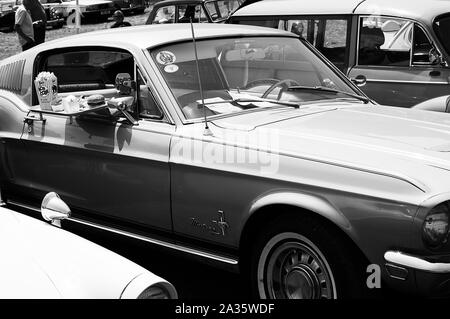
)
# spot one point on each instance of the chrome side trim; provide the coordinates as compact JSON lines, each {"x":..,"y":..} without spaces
{"x":14,"y":203}
{"x":407,"y":82}
{"x":181,"y":248}
{"x":159,"y":242}
{"x":417,"y":263}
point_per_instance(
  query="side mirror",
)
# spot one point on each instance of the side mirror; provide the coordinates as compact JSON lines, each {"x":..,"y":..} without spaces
{"x":438,"y":104}
{"x":359,"y":80}
{"x":54,"y":209}
{"x":123,"y":105}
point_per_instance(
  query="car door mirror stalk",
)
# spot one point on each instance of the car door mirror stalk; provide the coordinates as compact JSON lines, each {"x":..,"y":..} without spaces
{"x":123,"y":105}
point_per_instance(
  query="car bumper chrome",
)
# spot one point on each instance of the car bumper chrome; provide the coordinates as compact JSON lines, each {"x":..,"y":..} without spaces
{"x":416,"y":263}
{"x":413,"y":274}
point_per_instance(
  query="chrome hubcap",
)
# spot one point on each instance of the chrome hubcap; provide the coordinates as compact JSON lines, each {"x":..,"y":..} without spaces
{"x":292,"y":267}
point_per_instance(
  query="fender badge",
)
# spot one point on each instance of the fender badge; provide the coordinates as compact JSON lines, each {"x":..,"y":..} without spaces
{"x":217,"y":227}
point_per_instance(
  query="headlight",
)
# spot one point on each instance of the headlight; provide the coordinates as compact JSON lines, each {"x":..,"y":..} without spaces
{"x":436,"y":226}
{"x":155,"y":292}
{"x":149,"y":286}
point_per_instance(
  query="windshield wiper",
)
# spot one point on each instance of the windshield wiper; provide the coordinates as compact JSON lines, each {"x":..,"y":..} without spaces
{"x":325,"y":89}
{"x":237,"y":102}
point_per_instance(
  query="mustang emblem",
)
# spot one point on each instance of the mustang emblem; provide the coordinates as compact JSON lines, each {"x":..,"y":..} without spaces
{"x":216,"y":227}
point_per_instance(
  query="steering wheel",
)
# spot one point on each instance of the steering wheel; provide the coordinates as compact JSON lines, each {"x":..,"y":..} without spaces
{"x":259,"y":82}
{"x":283,"y":83}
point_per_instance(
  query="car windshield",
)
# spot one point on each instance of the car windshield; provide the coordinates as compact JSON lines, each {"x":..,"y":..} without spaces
{"x":259,"y":70}
{"x":441,"y":27}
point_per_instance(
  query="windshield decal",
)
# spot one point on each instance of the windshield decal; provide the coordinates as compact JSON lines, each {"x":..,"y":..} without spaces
{"x":166,"y":58}
{"x":171,"y":68}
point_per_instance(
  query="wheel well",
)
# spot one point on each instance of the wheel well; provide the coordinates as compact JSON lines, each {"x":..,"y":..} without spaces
{"x":265,"y":215}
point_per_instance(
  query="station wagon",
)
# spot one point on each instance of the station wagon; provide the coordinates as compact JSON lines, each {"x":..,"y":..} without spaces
{"x":398,"y":51}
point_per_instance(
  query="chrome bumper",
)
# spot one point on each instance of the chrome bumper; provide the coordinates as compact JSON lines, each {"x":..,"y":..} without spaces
{"x":399,"y":258}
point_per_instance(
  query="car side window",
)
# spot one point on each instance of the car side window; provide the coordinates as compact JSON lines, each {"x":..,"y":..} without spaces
{"x":87,"y":71}
{"x":422,"y":48}
{"x":385,"y":41}
{"x":165,"y":15}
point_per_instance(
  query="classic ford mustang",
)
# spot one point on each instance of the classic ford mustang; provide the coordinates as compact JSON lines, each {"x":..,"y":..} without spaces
{"x":41,"y":261}
{"x":245,"y":148}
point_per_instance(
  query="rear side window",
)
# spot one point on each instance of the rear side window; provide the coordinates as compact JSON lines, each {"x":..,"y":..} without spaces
{"x":86,"y":70}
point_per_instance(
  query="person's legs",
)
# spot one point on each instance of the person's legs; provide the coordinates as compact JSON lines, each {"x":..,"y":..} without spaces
{"x":27,"y":46}
{"x":39,"y":33}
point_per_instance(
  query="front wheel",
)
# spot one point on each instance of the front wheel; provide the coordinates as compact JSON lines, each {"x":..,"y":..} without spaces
{"x":300,"y":258}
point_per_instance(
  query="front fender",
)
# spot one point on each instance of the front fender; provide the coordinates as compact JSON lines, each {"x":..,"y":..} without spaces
{"x":310,"y":202}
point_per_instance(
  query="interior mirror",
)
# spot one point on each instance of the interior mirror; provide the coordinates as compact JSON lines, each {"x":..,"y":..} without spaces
{"x":245,"y":54}
{"x":54,"y":209}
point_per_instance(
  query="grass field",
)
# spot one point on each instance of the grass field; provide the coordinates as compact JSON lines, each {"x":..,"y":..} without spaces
{"x":9,"y":43}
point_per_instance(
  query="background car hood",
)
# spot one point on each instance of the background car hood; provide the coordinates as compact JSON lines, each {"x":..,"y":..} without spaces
{"x":373,"y":137}
{"x":43,"y":261}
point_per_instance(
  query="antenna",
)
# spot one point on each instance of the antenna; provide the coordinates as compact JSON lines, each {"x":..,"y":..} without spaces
{"x":207,"y":131}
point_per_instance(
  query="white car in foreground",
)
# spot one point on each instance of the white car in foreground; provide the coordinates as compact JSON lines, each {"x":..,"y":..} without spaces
{"x":39,"y":260}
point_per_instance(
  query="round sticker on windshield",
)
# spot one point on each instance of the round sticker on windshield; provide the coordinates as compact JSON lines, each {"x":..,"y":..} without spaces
{"x":171,"y":68}
{"x":165,"y":57}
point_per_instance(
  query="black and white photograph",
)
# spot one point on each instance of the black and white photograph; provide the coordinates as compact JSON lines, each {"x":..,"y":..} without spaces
{"x":224,"y":155}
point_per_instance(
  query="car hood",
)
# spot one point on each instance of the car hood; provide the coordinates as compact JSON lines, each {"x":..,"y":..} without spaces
{"x":371,"y":137}
{"x":43,"y":261}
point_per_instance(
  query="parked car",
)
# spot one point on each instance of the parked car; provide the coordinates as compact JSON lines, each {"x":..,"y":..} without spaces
{"x":400,"y":47}
{"x":130,"y":6}
{"x":7,"y":15}
{"x":93,"y":10}
{"x":279,"y":167}
{"x":41,"y":261}
{"x":54,"y":17}
{"x":180,"y":11}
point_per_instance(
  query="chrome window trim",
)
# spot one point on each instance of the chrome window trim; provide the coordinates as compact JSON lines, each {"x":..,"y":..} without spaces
{"x":407,"y":82}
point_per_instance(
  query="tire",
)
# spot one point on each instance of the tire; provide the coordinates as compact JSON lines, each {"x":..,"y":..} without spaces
{"x":301,"y":258}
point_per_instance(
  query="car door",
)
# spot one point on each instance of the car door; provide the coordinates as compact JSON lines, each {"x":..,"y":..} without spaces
{"x":106,"y":169}
{"x":399,"y":62}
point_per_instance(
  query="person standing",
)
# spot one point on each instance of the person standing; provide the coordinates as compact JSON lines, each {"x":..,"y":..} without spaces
{"x":39,"y":19}
{"x":118,"y":17}
{"x":24,"y":26}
